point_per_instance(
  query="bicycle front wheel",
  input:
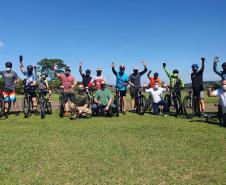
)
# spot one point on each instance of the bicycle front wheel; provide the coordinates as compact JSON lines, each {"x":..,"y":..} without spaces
{"x":26,"y":104}
{"x":142,"y":105}
{"x":2,"y":107}
{"x":188,"y":107}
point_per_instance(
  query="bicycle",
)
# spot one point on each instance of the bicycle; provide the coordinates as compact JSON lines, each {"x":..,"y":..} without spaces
{"x":140,"y":101}
{"x":173,"y":102}
{"x":62,"y":100}
{"x":190,"y":105}
{"x":45,"y":105}
{"x":117,"y":102}
{"x":219,"y":116}
{"x":149,"y":103}
{"x":27,"y":103}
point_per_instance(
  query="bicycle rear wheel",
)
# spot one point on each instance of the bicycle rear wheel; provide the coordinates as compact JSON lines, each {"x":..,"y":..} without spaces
{"x":117,"y":104}
{"x":49,"y":109}
{"x":188,"y":107}
{"x":42,"y":109}
{"x":26,"y":104}
{"x":142,"y":105}
{"x":61,"y":100}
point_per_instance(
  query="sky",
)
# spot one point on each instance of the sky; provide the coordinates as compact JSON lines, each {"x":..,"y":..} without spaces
{"x":97,"y":32}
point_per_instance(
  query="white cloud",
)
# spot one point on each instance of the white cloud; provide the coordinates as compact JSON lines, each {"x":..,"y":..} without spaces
{"x":1,"y":44}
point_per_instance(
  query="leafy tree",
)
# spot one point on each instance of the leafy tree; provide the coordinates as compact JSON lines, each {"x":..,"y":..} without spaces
{"x":47,"y":65}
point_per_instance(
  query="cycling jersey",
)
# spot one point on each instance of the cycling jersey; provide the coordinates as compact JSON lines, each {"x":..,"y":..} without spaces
{"x":9,"y":80}
{"x":175,"y":83}
{"x":30,"y":79}
{"x":153,"y":81}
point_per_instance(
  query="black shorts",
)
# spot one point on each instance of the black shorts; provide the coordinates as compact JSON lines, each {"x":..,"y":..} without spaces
{"x":32,"y":93}
{"x":122,"y":93}
{"x":69,"y":96}
{"x":198,"y":92}
{"x":134,"y":92}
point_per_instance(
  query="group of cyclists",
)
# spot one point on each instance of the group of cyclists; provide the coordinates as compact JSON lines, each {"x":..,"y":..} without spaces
{"x":93,"y":97}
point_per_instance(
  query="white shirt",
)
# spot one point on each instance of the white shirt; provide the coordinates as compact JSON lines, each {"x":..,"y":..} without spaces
{"x":222,"y":97}
{"x":156,"y":94}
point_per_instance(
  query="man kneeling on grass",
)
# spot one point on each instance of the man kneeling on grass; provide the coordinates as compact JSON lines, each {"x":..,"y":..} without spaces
{"x":159,"y":105}
{"x":79,"y":108}
{"x":103,"y":101}
{"x":221,"y":94}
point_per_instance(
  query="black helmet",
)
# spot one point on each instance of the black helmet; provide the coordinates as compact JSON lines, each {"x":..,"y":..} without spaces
{"x":175,"y":71}
{"x":224,"y":64}
{"x":68,"y":69}
{"x":88,"y":71}
{"x":8,"y":65}
{"x":44,"y":74}
{"x":30,"y":68}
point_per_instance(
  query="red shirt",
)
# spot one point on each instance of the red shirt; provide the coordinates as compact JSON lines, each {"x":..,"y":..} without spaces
{"x":153,"y":81}
{"x":67,"y":82}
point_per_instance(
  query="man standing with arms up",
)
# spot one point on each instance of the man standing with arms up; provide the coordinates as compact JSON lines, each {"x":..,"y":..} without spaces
{"x":135,"y":83}
{"x":121,"y":83}
{"x":10,"y":79}
{"x":197,"y":85}
{"x":68,"y":83}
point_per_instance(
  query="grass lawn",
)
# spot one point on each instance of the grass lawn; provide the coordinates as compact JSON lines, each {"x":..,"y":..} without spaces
{"x":129,"y":150}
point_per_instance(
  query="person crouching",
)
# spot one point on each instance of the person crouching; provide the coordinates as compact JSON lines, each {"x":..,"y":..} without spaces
{"x":80,"y":106}
{"x":159,"y":105}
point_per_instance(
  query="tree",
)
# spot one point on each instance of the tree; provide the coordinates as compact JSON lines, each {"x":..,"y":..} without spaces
{"x":47,"y":65}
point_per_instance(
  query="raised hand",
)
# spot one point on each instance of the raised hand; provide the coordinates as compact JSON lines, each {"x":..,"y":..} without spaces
{"x":216,"y":59}
{"x":203,"y":59}
{"x":164,"y":64}
{"x":21,"y":59}
{"x":80,"y":64}
{"x":113,"y":65}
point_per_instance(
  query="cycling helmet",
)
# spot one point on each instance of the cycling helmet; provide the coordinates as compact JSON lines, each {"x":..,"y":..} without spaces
{"x":135,"y":68}
{"x":195,"y":66}
{"x":122,"y":67}
{"x":224,"y":64}
{"x":175,"y":71}
{"x":8,"y":65}
{"x":99,"y":69}
{"x":88,"y":71}
{"x":156,"y":74}
{"x":67,"y":69}
{"x":30,"y":68}
{"x":44,"y":74}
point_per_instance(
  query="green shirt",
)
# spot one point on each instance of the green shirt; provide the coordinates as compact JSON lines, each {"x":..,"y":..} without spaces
{"x":81,"y":100}
{"x":174,"y":82}
{"x":103,"y":96}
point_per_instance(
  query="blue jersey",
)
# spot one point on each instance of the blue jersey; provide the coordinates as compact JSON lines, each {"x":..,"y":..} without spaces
{"x":121,"y":80}
{"x":29,"y":79}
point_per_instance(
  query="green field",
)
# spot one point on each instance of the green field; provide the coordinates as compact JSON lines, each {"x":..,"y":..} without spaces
{"x":129,"y":150}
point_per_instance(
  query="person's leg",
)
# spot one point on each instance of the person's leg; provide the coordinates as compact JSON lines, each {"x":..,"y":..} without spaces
{"x":87,"y":113}
{"x":155,"y":108}
{"x":50,"y":95}
{"x":14,"y":102}
{"x":6,"y":99}
{"x":95,"y":108}
{"x":73,"y":110}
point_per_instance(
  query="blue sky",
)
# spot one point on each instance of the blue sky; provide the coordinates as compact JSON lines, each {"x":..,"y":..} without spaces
{"x":178,"y":32}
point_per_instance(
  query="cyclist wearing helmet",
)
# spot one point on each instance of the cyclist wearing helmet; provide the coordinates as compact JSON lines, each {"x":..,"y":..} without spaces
{"x":30,"y":82}
{"x":98,"y":79}
{"x":135,"y":83}
{"x":222,"y":74}
{"x":154,"y":79}
{"x":86,"y":78}
{"x":197,"y":84}
{"x":43,"y":83}
{"x":68,"y":83}
{"x":175,"y":81}
{"x":121,"y":83}
{"x":10,"y":79}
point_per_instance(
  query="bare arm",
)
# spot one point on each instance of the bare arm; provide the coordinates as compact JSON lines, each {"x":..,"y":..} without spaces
{"x":113,"y":69}
{"x":148,"y":75}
